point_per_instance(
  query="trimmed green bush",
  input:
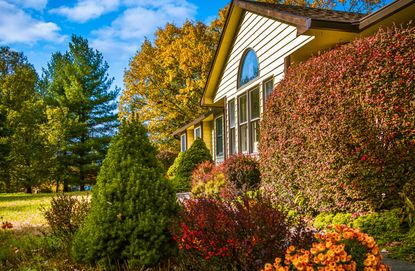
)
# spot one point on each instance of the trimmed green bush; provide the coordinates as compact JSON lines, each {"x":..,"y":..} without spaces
{"x":383,"y":226}
{"x":323,"y":220}
{"x":172,"y":171}
{"x":132,"y":206}
{"x":243,"y":171}
{"x":196,"y":154}
{"x":338,"y":131}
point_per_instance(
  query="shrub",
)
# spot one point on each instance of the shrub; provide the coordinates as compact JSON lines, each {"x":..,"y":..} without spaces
{"x":132,"y":206}
{"x":383,"y":226}
{"x":66,"y":214}
{"x":325,"y":220}
{"x":195,"y":155}
{"x":406,"y":249}
{"x":172,"y":171}
{"x":208,"y":180}
{"x":224,"y":235}
{"x":338,"y":131}
{"x":344,"y":249}
{"x":242,"y":170}
{"x":167,"y":158}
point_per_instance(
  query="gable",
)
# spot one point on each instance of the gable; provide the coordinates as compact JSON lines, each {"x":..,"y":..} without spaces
{"x":271,"y":40}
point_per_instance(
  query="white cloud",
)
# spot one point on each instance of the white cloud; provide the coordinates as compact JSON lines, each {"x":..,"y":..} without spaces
{"x":139,"y":20}
{"x":86,"y":10}
{"x":33,"y":4}
{"x":16,"y":26}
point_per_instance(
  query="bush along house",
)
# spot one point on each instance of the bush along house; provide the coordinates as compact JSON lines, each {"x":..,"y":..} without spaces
{"x":258,"y":43}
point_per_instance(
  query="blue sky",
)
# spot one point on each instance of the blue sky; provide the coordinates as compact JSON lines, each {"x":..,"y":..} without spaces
{"x":114,"y":27}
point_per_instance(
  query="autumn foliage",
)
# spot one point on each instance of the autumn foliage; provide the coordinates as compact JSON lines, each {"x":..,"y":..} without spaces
{"x":234,"y":235}
{"x":339,"y":130}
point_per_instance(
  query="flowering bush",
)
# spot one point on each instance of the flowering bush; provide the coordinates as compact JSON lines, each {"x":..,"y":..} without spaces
{"x":242,"y":170}
{"x":338,"y":133}
{"x":208,"y":180}
{"x":343,"y":249}
{"x":224,"y":235}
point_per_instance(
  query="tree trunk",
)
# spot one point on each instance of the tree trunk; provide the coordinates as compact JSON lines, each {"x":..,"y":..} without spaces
{"x":65,"y":186}
{"x":29,"y":189}
{"x":82,"y":187}
{"x":57,"y":185}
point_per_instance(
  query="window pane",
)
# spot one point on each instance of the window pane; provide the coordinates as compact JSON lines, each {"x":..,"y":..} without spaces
{"x":249,"y":69}
{"x":231,"y":114}
{"x":254,"y":102}
{"x":219,"y":137}
{"x":268,"y":87}
{"x":198,"y":132}
{"x":255,"y":135}
{"x":183,"y":143}
{"x":243,"y":138}
{"x":243,"y":114}
{"x":232,"y":138}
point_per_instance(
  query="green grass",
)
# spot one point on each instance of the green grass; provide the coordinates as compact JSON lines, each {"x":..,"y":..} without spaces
{"x":25,"y":210}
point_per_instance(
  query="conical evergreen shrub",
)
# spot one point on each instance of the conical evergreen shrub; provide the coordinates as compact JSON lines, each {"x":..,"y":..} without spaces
{"x":132,"y":206}
{"x":196,"y":154}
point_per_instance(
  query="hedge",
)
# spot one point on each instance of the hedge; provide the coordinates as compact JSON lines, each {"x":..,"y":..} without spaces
{"x":338,"y":132}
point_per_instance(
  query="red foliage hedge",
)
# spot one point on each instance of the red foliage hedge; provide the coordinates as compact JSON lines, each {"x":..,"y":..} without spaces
{"x":242,"y":170}
{"x":338,"y":133}
{"x":234,"y":235}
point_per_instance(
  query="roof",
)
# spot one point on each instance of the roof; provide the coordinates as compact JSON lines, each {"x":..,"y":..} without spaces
{"x":196,"y":121}
{"x":313,"y":13}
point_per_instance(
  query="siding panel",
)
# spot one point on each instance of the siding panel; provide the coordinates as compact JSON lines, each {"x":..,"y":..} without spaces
{"x":271,"y":40}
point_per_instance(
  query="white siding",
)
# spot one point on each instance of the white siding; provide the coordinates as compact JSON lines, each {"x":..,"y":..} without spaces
{"x":271,"y":40}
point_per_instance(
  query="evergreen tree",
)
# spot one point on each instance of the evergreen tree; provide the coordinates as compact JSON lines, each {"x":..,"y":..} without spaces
{"x":196,"y":154}
{"x":77,"y":83}
{"x":132,"y":206}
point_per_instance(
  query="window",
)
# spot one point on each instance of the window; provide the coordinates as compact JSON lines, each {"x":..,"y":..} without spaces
{"x":183,"y":142}
{"x":198,"y":132}
{"x":232,"y":125}
{"x":249,"y":112}
{"x":249,"y":68}
{"x":268,"y":87}
{"x":243,"y":123}
{"x":254,"y":119}
{"x":219,"y":136}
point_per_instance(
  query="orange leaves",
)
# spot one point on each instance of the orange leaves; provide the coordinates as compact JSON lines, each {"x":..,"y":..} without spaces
{"x":165,"y":79}
{"x":333,"y":252}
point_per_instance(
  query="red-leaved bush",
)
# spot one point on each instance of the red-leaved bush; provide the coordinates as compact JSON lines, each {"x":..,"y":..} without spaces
{"x":338,"y":133}
{"x":234,"y":235}
{"x":242,"y":170}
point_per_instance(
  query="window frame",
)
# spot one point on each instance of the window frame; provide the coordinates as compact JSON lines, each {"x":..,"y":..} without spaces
{"x":232,"y":139}
{"x":241,"y":62}
{"x":197,"y":128}
{"x":245,"y":123}
{"x":183,"y":139}
{"x":264,"y":96}
{"x":252,"y":120}
{"x":221,"y":156}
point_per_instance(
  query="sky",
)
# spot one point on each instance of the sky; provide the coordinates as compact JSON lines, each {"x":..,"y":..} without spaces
{"x":116,"y":28}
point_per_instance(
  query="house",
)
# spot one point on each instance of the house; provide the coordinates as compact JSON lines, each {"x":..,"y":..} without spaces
{"x":258,"y":43}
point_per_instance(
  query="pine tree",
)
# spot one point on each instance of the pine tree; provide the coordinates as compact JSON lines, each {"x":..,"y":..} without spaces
{"x":77,"y":82}
{"x":132,"y":206}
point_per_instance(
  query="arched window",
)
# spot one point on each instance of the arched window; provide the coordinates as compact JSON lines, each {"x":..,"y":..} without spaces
{"x":249,"y":67}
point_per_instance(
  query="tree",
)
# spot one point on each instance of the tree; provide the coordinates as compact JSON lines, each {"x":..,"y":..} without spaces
{"x":165,"y":80}
{"x":132,"y":206}
{"x":77,"y":84}
{"x":24,"y":148}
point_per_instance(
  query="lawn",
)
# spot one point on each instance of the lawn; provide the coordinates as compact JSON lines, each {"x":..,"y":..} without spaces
{"x":25,"y":210}
{"x":28,"y":245}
